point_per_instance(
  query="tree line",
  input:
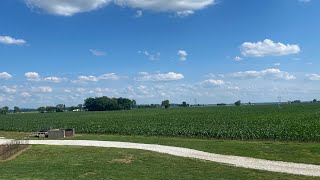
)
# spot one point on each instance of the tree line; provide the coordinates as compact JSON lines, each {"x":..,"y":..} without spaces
{"x":108,"y":104}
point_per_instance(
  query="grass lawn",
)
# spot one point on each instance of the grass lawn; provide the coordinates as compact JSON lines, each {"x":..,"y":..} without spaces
{"x":66,"y":162}
{"x":281,"y":151}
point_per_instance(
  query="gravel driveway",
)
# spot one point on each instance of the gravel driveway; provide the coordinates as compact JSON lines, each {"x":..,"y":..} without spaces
{"x":245,"y":162}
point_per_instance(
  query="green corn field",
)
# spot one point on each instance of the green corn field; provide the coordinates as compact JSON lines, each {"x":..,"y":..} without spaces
{"x":257,"y":122}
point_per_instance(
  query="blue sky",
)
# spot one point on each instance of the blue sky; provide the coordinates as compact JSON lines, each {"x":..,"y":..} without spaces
{"x":60,"y":51}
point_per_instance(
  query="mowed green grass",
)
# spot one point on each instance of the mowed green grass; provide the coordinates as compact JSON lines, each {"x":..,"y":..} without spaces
{"x":299,"y":152}
{"x":259,"y":122}
{"x":63,"y":162}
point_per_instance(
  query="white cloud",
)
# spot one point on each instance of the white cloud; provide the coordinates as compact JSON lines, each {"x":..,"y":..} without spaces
{"x":25,"y":94}
{"x":96,"y":52}
{"x":8,"y":89}
{"x":166,"y":5}
{"x":313,"y":77}
{"x":5,"y":75}
{"x":109,"y":76}
{"x":213,"y":82}
{"x":53,"y":79}
{"x":151,"y":57}
{"x":268,"y":73}
{"x":44,"y":89}
{"x":237,"y":58}
{"x":138,"y":14}
{"x":71,"y":7}
{"x":277,"y":64}
{"x":268,"y":48}
{"x":32,"y":76}
{"x":67,"y":7}
{"x":183,"y":55}
{"x":185,"y":13}
{"x":11,"y":40}
{"x":171,"y":76}
{"x":88,"y":78}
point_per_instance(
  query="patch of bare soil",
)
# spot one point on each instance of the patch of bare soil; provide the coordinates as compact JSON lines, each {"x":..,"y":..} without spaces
{"x":15,"y":155}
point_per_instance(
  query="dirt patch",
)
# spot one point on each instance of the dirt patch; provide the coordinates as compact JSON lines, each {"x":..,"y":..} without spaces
{"x":126,"y":160}
{"x":15,"y":155}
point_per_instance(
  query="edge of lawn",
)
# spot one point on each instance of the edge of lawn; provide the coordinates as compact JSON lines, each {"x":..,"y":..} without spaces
{"x":299,"y":152}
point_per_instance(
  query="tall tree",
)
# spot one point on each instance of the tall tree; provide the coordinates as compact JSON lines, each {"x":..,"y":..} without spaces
{"x":165,"y":103}
{"x":4,"y":110}
{"x":42,"y":109}
{"x":238,"y":103}
{"x":16,"y":109}
{"x":60,"y":108}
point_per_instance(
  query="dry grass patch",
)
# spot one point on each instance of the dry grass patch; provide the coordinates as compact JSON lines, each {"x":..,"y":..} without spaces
{"x":126,"y":160}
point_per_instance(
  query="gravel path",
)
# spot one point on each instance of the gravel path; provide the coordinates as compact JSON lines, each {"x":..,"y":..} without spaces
{"x":245,"y":162}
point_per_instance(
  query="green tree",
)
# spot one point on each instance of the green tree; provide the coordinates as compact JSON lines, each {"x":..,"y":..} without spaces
{"x":51,"y":109}
{"x":315,"y":101}
{"x":42,"y":109}
{"x":4,"y":110}
{"x":134,"y":103}
{"x":60,"y":108}
{"x":108,"y":104}
{"x":16,"y":109}
{"x":238,"y":103}
{"x":165,"y":103}
{"x":184,"y":104}
{"x":80,"y":107}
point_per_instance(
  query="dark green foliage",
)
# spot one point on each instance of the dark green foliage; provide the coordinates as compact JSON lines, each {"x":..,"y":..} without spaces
{"x":238,"y":103}
{"x":42,"y":109}
{"x":4,"y":110}
{"x":16,"y":109}
{"x":165,"y":103}
{"x":108,"y":104}
{"x":184,"y":104}
{"x":60,"y":108}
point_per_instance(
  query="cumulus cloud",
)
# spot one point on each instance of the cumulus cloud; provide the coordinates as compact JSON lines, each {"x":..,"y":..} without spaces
{"x":213,"y":82}
{"x":167,"y":5}
{"x":138,"y":14}
{"x":88,"y":78}
{"x":53,"y":79}
{"x":313,"y":77}
{"x":11,"y":40}
{"x":268,"y":48}
{"x":108,"y":76}
{"x":237,"y":58}
{"x":171,"y":76}
{"x":69,"y":8}
{"x":185,"y":13}
{"x":8,"y":89}
{"x":5,"y":75}
{"x":44,"y":89}
{"x":183,"y":55}
{"x":96,"y":52}
{"x":268,"y":73}
{"x":25,"y":94}
{"x":151,"y":57}
{"x":32,"y":76}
